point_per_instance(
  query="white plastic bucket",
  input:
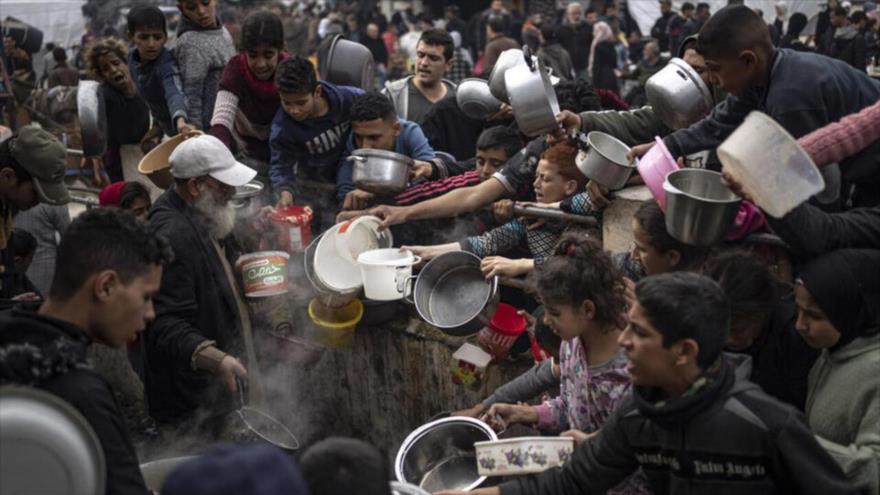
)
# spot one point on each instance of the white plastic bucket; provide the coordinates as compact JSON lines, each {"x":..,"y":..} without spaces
{"x":385,"y":272}
{"x":770,"y":165}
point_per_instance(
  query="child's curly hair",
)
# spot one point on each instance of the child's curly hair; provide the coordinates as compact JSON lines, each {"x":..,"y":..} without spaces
{"x":101,"y":47}
{"x":562,"y":155}
{"x":579,"y":270}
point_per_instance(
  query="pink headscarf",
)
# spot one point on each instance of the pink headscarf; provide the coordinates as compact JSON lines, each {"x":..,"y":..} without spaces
{"x":601,"y":32}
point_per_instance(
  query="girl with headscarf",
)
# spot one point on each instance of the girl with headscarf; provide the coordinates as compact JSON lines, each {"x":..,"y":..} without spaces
{"x":838,"y":299}
{"x":603,"y":58}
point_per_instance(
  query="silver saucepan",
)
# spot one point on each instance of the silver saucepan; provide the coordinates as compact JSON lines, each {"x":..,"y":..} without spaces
{"x":532,"y":97}
{"x":605,"y":160}
{"x":379,"y":171}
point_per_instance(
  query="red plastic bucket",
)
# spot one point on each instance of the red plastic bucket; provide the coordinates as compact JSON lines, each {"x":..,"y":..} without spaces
{"x":264,"y":273}
{"x":503,"y":330}
{"x":292,"y":227}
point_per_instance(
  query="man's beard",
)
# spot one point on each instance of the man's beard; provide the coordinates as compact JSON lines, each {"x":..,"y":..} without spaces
{"x":217,"y":216}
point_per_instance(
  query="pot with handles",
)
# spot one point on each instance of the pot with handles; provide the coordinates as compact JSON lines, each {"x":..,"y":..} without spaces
{"x":379,"y":171}
{"x":451,"y":294}
{"x":678,"y":94}
{"x":507,"y":60}
{"x":385,"y":272}
{"x":348,"y":64}
{"x":248,"y":199}
{"x":532,"y":96}
{"x":605,"y":160}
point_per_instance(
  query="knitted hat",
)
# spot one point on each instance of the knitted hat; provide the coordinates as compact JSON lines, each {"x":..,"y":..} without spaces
{"x":111,"y":195}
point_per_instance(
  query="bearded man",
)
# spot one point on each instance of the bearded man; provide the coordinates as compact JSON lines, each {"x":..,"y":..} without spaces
{"x":202,"y":327}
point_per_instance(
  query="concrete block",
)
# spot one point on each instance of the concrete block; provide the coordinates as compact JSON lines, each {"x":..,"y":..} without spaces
{"x":617,"y":218}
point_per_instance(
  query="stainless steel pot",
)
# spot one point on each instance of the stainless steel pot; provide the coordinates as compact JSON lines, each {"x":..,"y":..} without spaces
{"x":507,"y":60}
{"x":440,"y":455}
{"x":47,"y":446}
{"x":678,"y":94}
{"x":379,"y":171}
{"x":605,"y":160}
{"x":699,"y":207}
{"x":90,"y":108}
{"x":348,"y":64}
{"x":452,"y":294}
{"x":475,"y":99}
{"x":248,"y":199}
{"x":532,"y":97}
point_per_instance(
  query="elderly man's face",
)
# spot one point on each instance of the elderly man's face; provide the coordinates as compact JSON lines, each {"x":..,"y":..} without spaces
{"x":574,"y":13}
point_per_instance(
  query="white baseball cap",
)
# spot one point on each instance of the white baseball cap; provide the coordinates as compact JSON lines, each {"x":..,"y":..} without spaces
{"x":206,"y":155}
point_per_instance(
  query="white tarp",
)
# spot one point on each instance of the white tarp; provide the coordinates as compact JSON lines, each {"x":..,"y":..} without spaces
{"x":646,"y":12}
{"x":61,"y":21}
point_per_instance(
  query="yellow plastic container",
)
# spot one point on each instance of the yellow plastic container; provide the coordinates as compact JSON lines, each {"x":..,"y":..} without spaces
{"x":334,"y":327}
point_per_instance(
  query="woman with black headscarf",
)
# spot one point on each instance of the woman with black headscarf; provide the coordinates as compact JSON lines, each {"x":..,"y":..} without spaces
{"x":796,"y":24}
{"x":838,"y":299}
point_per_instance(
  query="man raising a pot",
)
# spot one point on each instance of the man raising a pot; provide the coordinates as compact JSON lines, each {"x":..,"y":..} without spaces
{"x":202,"y":325}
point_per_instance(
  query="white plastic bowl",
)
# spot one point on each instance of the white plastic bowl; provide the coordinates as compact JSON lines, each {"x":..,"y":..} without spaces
{"x":770,"y":165}
{"x":523,"y":455}
{"x":337,"y":273}
{"x":359,"y":235}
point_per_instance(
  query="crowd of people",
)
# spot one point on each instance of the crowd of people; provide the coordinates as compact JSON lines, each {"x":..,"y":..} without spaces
{"x":750,"y":366}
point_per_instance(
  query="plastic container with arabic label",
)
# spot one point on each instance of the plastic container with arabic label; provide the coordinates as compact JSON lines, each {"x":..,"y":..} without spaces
{"x":264,"y":273}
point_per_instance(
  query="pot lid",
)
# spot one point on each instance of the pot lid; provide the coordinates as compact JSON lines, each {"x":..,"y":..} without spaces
{"x":390,"y":155}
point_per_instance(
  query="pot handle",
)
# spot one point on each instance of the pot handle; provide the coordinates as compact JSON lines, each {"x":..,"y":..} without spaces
{"x":401,"y":282}
{"x":494,"y":294}
{"x":527,"y":54}
{"x":357,"y":158}
{"x":408,"y":289}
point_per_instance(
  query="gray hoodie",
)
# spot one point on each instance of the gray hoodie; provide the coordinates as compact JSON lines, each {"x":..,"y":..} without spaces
{"x":201,"y":55}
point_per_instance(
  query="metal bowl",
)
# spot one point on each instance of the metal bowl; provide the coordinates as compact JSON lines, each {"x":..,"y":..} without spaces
{"x":451,"y":294}
{"x":475,"y":99}
{"x":92,"y":114}
{"x":47,"y":446}
{"x":605,"y":161}
{"x":699,"y":207}
{"x":440,"y":455}
{"x":678,"y":94}
{"x":379,"y":171}
{"x":348,"y":64}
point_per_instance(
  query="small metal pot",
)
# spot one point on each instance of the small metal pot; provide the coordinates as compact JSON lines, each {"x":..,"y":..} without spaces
{"x":475,"y":99}
{"x":699,"y":207}
{"x":532,"y":97}
{"x":90,"y":108}
{"x":248,"y":199}
{"x":440,"y":455}
{"x":678,"y":94}
{"x":379,"y":171}
{"x":452,"y":294}
{"x":507,"y":60}
{"x":605,"y":160}
{"x":348,"y":64}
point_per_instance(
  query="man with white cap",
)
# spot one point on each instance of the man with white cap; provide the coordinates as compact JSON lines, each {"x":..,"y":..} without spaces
{"x":202,"y":324}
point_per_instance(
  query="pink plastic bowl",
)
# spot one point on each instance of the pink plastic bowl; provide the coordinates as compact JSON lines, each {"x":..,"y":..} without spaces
{"x":654,"y":166}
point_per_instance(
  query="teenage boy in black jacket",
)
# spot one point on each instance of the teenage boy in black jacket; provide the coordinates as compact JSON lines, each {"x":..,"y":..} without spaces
{"x":109,"y":266}
{"x":690,"y":423}
{"x":800,"y":91}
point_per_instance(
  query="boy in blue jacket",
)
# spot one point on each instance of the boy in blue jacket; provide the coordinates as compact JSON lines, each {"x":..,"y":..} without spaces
{"x":308,"y":135}
{"x":800,"y":91}
{"x":154,"y":69}
{"x":375,"y":125}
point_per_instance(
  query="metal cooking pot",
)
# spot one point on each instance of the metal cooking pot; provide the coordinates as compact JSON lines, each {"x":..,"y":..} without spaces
{"x":452,"y":294}
{"x":605,"y":160}
{"x":440,"y":455}
{"x":47,"y":446}
{"x":475,"y":99}
{"x":678,"y":94}
{"x":348,"y":64}
{"x":699,"y":207}
{"x":400,"y":488}
{"x":532,"y":97}
{"x":92,"y":118}
{"x":248,"y":199}
{"x":379,"y":171}
{"x":507,"y":60}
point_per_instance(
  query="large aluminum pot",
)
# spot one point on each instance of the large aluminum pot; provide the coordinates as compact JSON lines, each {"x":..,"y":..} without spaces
{"x":92,"y":114}
{"x":475,"y":99}
{"x":440,"y":455}
{"x":699,"y":207}
{"x":248,"y":199}
{"x":678,"y":94}
{"x":532,"y":97}
{"x":348,"y":64}
{"x":605,"y":160}
{"x":47,"y":446}
{"x":452,"y":294}
{"x":379,"y":171}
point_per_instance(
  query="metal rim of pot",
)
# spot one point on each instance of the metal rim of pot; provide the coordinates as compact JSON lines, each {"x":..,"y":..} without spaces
{"x":697,"y":171}
{"x":380,"y":171}
{"x":532,"y":96}
{"x":419,"y":432}
{"x":92,"y":118}
{"x":329,"y":72}
{"x":695,"y":78}
{"x":480,"y":97}
{"x":247,"y":199}
{"x":666,"y":103}
{"x":474,"y":322}
{"x":605,"y":170}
